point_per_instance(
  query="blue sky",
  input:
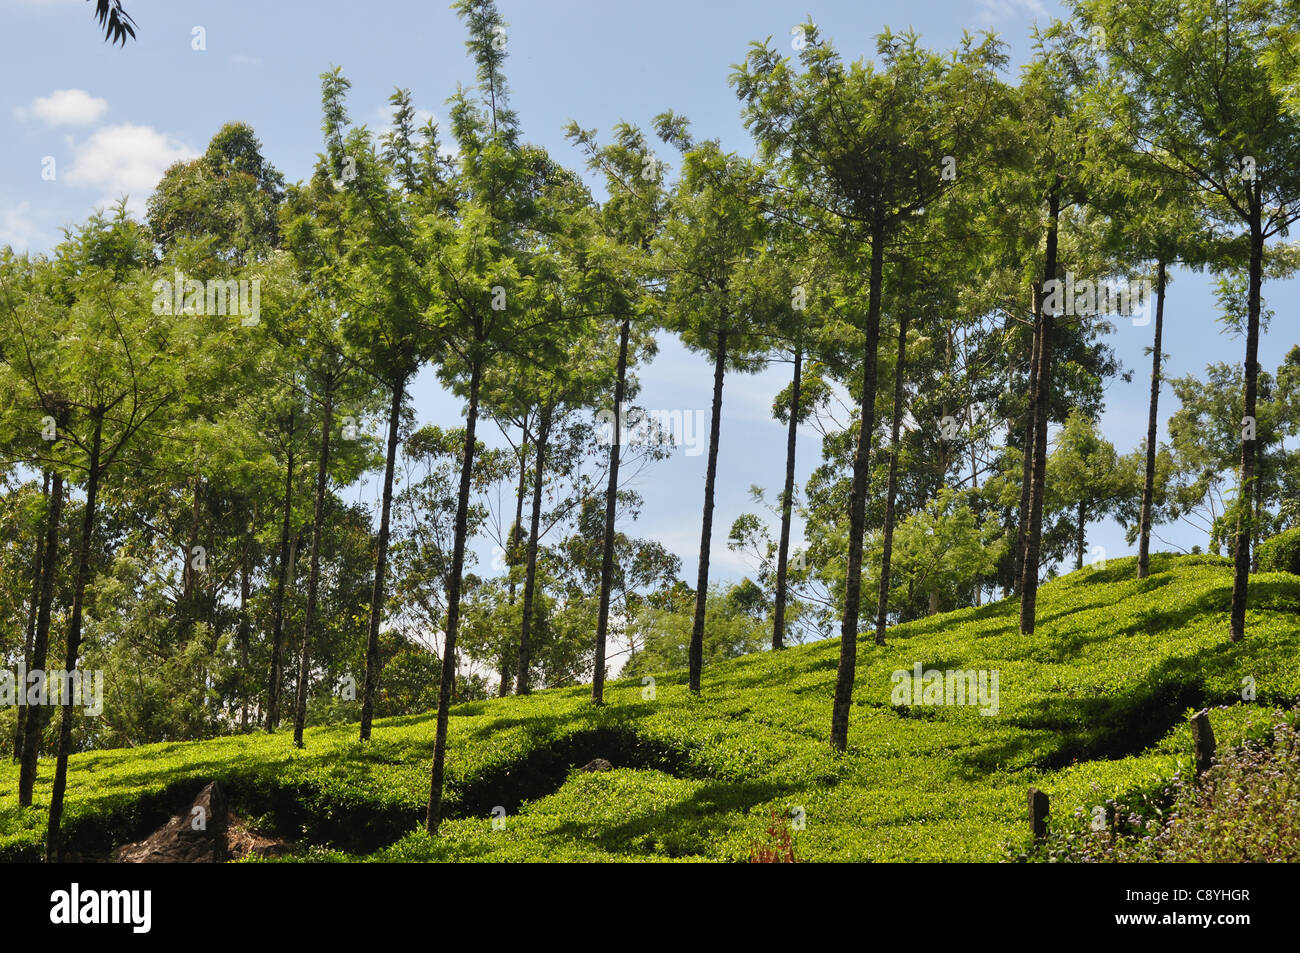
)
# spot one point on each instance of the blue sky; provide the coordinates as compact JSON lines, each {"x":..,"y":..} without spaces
{"x":113,"y":119}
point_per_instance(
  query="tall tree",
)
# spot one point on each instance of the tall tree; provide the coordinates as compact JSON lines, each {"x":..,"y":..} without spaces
{"x":129,"y":381}
{"x":1060,"y":145}
{"x":378,"y":272}
{"x":847,"y":133}
{"x":38,"y":576}
{"x":716,"y":222}
{"x":1230,"y":132}
{"x":481,"y":259}
{"x":629,"y":220}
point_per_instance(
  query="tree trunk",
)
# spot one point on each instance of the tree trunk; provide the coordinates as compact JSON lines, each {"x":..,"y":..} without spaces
{"x":381,"y":564}
{"x":974,"y":473}
{"x":512,"y":543}
{"x":245,"y":583}
{"x":313,"y":571}
{"x":787,"y":504}
{"x":1241,"y":568}
{"x":523,"y":677}
{"x":611,"y":509}
{"x":504,"y":684}
{"x":53,"y":852}
{"x":433,"y":816}
{"x":1080,"y":539}
{"x":1042,"y":398}
{"x":1259,"y":519}
{"x":1027,"y":458}
{"x":1148,"y":482}
{"x":706,"y":526}
{"x":277,"y":611}
{"x":895,"y":424}
{"x":858,"y":503}
{"x":34,"y":609}
{"x":41,"y":643}
{"x":189,"y":574}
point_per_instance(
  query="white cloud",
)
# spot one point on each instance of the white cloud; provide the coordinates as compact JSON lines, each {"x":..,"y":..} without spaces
{"x":65,"y":107}
{"x":18,"y":229}
{"x":126,"y":158}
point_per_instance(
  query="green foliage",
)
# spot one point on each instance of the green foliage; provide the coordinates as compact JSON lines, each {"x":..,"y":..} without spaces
{"x":1093,"y":708}
{"x":735,"y":624}
{"x":1281,"y":553}
{"x":495,"y":266}
{"x":941,"y":549}
{"x":226,"y":199}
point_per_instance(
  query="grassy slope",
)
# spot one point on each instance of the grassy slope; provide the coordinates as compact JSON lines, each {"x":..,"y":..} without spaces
{"x":1093,"y":705}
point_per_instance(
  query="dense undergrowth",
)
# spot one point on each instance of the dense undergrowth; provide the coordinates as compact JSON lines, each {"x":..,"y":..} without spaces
{"x":1092,"y":708}
{"x":1244,"y":809}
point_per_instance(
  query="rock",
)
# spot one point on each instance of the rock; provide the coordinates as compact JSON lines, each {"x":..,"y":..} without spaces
{"x":197,"y":836}
{"x":597,"y":764}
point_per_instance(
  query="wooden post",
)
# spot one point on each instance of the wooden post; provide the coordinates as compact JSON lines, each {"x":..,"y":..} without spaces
{"x":1038,"y":810}
{"x":1202,"y":741}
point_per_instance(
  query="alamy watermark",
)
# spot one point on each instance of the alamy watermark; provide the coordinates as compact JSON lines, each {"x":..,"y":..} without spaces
{"x":74,"y":906}
{"x":951,"y":687}
{"x":1084,"y":297}
{"x":59,"y":687}
{"x":681,"y":428}
{"x":183,"y":295}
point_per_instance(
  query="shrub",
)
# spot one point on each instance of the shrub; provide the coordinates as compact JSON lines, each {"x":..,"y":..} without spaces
{"x":1245,"y":809}
{"x":777,"y":847}
{"x":1281,"y":553}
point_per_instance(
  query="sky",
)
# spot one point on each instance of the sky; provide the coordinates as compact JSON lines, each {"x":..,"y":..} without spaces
{"x":85,"y":124}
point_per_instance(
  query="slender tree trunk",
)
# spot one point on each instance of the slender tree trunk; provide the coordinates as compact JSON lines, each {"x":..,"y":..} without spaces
{"x":38,"y":570}
{"x":1241,"y":568}
{"x":1259,"y":520}
{"x":41,"y":643}
{"x":433,"y":816}
{"x":503,"y":685}
{"x":611,"y":510}
{"x":245,"y":583}
{"x":189,"y":574}
{"x":277,"y":611}
{"x":945,"y":456}
{"x":974,"y":472}
{"x":1027,"y":458}
{"x":1033,"y":536}
{"x":516,"y":532}
{"x":1148,"y":482}
{"x":523,"y":680}
{"x":53,"y":851}
{"x":381,"y":563}
{"x":313,"y":572}
{"x":706,"y":524}
{"x":895,"y":424}
{"x":1080,"y":539}
{"x":787,"y":504}
{"x":858,"y":504}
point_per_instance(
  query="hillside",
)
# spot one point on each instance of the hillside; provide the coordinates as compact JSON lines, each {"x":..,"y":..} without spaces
{"x":1093,"y":705}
